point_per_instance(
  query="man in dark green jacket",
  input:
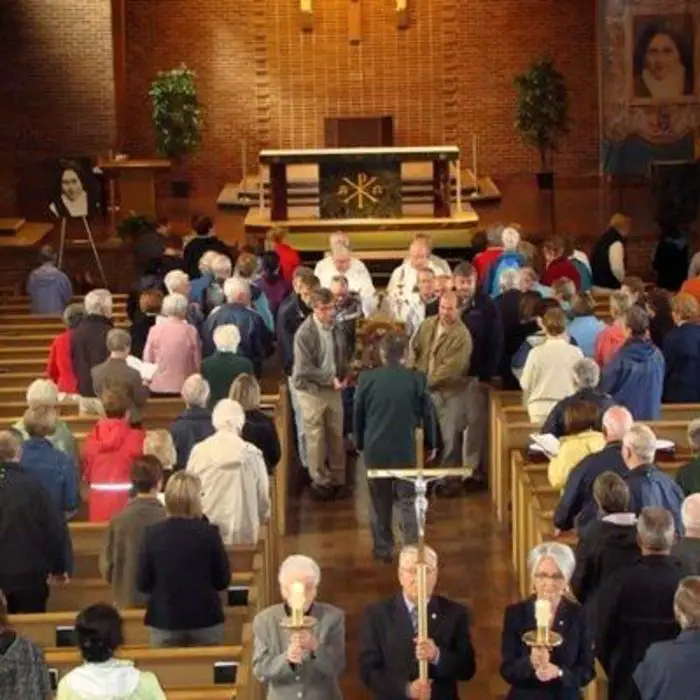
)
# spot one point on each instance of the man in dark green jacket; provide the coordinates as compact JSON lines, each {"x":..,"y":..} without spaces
{"x":221,"y":368}
{"x":390,"y":403}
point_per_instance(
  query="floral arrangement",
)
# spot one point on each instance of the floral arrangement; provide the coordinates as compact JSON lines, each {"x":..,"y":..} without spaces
{"x":370,"y":332}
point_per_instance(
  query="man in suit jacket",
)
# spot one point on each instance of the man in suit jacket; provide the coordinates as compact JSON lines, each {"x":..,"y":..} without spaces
{"x":114,"y":371}
{"x":319,"y":376}
{"x":390,"y":650}
{"x":390,"y":403}
{"x":300,"y":664}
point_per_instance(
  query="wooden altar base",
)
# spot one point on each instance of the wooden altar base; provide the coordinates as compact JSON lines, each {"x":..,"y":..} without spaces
{"x":308,"y":233}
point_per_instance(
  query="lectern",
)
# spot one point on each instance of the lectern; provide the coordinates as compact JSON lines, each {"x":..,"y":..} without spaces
{"x":360,"y":183}
{"x":136,"y":180}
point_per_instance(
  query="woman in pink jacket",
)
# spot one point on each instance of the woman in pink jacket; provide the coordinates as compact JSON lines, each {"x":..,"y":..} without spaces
{"x":173,"y":345}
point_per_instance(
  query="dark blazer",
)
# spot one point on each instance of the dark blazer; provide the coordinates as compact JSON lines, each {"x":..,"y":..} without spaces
{"x":555,"y":420}
{"x":574,"y":657}
{"x":390,"y":403}
{"x":682,"y":354}
{"x":290,"y":315}
{"x":116,"y":372}
{"x":634,"y":609}
{"x":387,"y":650}
{"x":259,"y":429}
{"x":191,"y":427}
{"x":508,"y":305}
{"x":89,"y":349}
{"x":670,"y":669}
{"x":220,"y":369}
{"x":140,"y":328}
{"x":183,"y":581}
{"x":483,"y":319}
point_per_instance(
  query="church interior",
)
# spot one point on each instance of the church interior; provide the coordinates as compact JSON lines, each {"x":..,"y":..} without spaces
{"x":375,"y":121}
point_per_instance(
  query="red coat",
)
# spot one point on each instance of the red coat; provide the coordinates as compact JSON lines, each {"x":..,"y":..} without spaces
{"x":108,"y":453}
{"x":484,"y":260}
{"x":289,"y":260}
{"x":561,"y":267}
{"x":59,"y":368}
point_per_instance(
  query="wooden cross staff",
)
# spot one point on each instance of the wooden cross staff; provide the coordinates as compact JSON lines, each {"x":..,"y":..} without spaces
{"x":421,"y":477}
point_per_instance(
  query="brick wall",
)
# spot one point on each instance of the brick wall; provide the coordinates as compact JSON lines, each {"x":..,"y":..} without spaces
{"x":447,"y":77}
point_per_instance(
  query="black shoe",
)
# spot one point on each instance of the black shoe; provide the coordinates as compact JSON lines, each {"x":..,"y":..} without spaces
{"x":321,"y":493}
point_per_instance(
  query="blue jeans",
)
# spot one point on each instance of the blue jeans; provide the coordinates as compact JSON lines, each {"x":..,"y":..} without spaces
{"x":299,"y":425}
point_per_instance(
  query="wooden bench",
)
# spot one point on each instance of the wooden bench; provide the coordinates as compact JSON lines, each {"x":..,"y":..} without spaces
{"x":10,"y":409}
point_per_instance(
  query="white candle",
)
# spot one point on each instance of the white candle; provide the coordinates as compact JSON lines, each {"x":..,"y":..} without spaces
{"x":543,"y":612}
{"x":297,"y":601}
{"x":476,"y":177}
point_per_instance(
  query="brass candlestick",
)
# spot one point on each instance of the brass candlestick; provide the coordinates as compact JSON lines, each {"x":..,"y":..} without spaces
{"x":543,"y":637}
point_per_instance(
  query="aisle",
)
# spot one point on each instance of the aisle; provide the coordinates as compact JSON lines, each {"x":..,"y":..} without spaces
{"x":475,"y":569}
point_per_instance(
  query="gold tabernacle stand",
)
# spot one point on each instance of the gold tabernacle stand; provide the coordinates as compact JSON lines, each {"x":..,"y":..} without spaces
{"x":543,"y":638}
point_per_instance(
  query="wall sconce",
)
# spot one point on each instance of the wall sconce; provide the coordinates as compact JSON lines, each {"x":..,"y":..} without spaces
{"x":402,"y":14}
{"x":307,"y":15}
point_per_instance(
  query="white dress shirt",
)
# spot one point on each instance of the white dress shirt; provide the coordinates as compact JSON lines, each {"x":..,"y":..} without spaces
{"x":358,"y":277}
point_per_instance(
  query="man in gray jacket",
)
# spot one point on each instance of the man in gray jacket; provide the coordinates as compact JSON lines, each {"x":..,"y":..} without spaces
{"x":300,"y":664}
{"x":319,"y":376}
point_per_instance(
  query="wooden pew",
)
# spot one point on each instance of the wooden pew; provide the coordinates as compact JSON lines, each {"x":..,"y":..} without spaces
{"x":16,"y":406}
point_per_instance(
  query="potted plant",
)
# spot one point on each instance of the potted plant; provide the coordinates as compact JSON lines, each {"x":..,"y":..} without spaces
{"x":133,"y":225}
{"x":177,"y":117}
{"x":542,"y":113}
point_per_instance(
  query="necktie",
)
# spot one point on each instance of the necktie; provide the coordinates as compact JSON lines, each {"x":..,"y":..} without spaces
{"x":414,"y":618}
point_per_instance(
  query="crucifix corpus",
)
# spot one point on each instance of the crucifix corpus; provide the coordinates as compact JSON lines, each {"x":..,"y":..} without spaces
{"x":420,"y":477}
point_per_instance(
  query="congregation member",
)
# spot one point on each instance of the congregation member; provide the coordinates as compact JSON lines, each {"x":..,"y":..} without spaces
{"x":483,"y":260}
{"x":581,"y":438}
{"x":159,"y":444}
{"x":173,"y":346}
{"x":340,"y":261}
{"x":122,"y":543}
{"x":584,"y":326}
{"x":49,"y":288}
{"x":55,"y":469}
{"x":508,"y":303}
{"x":212,"y":295}
{"x":246,"y":270}
{"x":688,"y":476}
{"x":194,"y":424}
{"x":533,"y":307}
{"x":442,"y":349}
{"x":307,"y":663}
{"x":564,"y":291}
{"x":183,"y":583}
{"x":205,"y":239}
{"x":116,"y":372}
{"x":586,"y":380}
{"x":402,"y":289}
{"x":43,"y":393}
{"x":608,"y":543}
{"x":33,"y":545}
{"x":509,"y":259}
{"x":635,"y":289}
{"x":390,"y":649}
{"x":147,"y":315}
{"x":255,"y":338}
{"x":661,"y":317}
{"x":319,"y":376}
{"x":391,"y":402}
{"x":425,"y":304}
{"x":537,"y":672}
{"x":271,"y":281}
{"x":634,"y":377}
{"x":611,"y":339}
{"x":687,"y":549}
{"x":259,"y":429}
{"x":99,"y":631}
{"x":577,"y":505}
{"x":681,"y":350}
{"x":692,"y":284}
{"x":234,"y":486}
{"x":221,"y":368}
{"x":348,"y":309}
{"x":150,"y":281}
{"x":23,"y":670}
{"x":200,"y":283}
{"x":548,"y":374}
{"x":177,"y":282}
{"x":479,"y":314}
{"x":59,"y":366}
{"x":649,"y":485}
{"x":108,"y":452}
{"x":634,"y":606}
{"x":148,"y":244}
{"x":89,"y":341}
{"x":608,"y":255}
{"x":669,"y":669}
{"x":557,"y":264}
{"x":289,"y":258}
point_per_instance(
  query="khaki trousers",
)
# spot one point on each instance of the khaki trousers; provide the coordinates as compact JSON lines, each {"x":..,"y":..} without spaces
{"x":322,"y":416}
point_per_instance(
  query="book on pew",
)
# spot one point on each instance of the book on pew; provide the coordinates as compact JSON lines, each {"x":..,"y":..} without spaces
{"x":548,"y":444}
{"x":145,"y":369}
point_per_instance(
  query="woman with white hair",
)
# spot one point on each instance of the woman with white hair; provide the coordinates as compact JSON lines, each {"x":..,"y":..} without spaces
{"x":43,"y":393}
{"x":235,"y":485}
{"x":194,"y":424}
{"x":174,"y":346}
{"x":221,"y":368}
{"x":537,"y":673}
{"x":307,"y":663}
{"x":510,"y":260}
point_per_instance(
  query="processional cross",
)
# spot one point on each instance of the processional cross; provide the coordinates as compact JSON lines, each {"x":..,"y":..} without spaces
{"x":420,"y":477}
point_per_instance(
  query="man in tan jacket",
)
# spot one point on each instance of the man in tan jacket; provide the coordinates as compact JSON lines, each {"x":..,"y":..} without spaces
{"x":442,"y":348}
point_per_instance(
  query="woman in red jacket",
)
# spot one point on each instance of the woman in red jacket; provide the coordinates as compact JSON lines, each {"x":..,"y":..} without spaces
{"x":289,"y":258}
{"x":108,"y":452}
{"x":557,"y":265}
{"x":59,"y":368}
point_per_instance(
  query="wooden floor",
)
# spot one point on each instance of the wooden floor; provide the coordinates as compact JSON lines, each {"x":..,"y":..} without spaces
{"x":475,"y":570}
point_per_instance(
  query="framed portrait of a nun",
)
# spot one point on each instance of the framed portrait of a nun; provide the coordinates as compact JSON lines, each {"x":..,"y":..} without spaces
{"x":75,"y":190}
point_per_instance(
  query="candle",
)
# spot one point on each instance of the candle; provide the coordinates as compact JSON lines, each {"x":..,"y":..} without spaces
{"x":297,"y":602}
{"x":476,"y":177}
{"x":543,"y":612}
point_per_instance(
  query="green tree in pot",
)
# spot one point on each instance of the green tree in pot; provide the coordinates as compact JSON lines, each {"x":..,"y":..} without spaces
{"x":177,"y":118}
{"x":542,"y":113}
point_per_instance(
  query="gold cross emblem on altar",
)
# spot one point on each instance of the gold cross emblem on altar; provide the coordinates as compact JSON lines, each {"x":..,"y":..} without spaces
{"x":364,"y":187}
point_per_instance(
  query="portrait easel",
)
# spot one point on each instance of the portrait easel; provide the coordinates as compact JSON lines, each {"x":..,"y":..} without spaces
{"x":88,"y":231}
